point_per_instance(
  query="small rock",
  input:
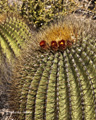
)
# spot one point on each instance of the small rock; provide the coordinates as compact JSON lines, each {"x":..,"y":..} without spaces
{"x":0,"y":115}
{"x":79,"y":11}
{"x":7,"y":114}
{"x":94,"y":17}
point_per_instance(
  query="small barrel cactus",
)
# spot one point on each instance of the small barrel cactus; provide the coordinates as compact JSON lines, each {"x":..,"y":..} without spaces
{"x":56,"y":80}
{"x":41,"y":12}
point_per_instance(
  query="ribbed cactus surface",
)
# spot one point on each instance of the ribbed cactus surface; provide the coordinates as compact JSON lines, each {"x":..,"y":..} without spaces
{"x":13,"y":35}
{"x":58,"y":85}
{"x":3,"y":6}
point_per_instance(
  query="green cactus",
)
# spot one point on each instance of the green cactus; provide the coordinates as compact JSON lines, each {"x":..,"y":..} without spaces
{"x":41,"y":12}
{"x":3,"y":6}
{"x":10,"y":6}
{"x":14,"y":33}
{"x":60,"y":84}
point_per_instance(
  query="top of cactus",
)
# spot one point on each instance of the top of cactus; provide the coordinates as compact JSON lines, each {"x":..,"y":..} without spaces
{"x":59,"y":37}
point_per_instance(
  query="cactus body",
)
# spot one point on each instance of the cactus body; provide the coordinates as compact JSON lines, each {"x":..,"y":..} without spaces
{"x":58,"y":85}
{"x":3,"y":6}
{"x":14,"y":33}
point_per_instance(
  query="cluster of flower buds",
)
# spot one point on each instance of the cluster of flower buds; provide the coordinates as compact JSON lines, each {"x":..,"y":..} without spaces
{"x":61,"y":45}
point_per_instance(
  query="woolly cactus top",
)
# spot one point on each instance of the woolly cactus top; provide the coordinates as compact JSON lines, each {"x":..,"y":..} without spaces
{"x":58,"y":84}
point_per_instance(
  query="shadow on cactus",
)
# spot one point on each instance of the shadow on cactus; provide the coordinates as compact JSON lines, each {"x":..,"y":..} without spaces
{"x":56,"y":80}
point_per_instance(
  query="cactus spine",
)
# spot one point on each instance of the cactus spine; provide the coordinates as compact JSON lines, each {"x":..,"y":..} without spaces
{"x":58,"y":85}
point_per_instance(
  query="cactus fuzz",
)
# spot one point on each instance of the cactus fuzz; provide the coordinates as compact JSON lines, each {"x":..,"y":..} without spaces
{"x":58,"y":38}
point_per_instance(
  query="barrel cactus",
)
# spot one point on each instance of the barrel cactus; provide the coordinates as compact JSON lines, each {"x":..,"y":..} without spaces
{"x":3,"y":6}
{"x":41,"y":12}
{"x":14,"y":33}
{"x":56,"y":78}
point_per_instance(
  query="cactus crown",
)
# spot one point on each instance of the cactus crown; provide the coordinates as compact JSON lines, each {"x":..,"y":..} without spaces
{"x":59,"y":38}
{"x":58,"y":85}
